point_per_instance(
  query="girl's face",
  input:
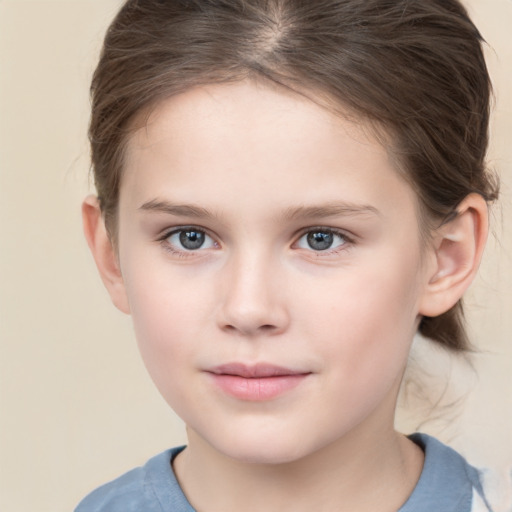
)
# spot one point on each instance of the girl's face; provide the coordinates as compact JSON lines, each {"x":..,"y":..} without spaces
{"x":271,"y":259}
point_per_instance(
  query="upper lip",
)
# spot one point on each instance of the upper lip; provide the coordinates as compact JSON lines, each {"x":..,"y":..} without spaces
{"x":254,"y":371}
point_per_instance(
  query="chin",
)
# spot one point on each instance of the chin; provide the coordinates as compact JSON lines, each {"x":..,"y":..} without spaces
{"x":267,"y":457}
{"x":261,"y":450}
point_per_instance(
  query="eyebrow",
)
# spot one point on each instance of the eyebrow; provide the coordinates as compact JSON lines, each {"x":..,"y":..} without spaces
{"x":332,"y":209}
{"x":180,"y":210}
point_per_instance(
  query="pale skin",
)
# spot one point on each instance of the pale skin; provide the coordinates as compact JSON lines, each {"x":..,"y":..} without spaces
{"x":257,"y":227}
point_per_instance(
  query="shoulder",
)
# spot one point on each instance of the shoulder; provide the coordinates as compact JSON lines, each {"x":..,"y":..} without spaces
{"x":447,"y":481}
{"x":152,"y":488}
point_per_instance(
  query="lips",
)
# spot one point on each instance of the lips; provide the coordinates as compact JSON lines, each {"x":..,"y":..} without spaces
{"x":258,"y":382}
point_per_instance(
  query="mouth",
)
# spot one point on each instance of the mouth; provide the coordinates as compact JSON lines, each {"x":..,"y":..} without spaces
{"x":259,"y":382}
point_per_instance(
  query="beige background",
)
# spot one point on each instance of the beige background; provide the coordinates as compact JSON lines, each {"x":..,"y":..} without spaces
{"x":76,"y":406}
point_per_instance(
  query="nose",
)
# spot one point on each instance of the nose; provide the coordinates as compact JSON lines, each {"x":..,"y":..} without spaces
{"x":253,"y":298}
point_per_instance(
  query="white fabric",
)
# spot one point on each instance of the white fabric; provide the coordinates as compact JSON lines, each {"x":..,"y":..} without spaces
{"x":478,"y":503}
{"x":497,"y":487}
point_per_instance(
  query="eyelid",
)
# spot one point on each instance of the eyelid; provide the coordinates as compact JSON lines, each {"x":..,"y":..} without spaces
{"x":328,"y":229}
{"x":167,"y":232}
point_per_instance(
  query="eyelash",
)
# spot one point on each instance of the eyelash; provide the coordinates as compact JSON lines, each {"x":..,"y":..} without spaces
{"x":348,"y":241}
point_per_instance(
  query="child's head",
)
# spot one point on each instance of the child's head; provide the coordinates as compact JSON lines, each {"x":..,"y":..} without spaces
{"x":413,"y":70}
{"x":291,"y":187}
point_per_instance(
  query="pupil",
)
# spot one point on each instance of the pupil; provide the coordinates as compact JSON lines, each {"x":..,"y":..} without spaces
{"x":320,"y":241}
{"x":192,"y":239}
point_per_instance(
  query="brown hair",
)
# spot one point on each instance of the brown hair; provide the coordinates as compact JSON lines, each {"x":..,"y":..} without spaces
{"x":414,"y":67}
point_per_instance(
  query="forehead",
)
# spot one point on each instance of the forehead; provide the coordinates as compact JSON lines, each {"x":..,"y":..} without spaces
{"x":242,"y":138}
{"x":211,"y":111}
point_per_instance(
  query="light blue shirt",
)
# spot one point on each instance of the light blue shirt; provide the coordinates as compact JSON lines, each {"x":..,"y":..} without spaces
{"x":447,"y":484}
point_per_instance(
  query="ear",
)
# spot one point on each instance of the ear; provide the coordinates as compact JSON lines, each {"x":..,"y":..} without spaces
{"x":104,"y":252}
{"x":456,"y":253}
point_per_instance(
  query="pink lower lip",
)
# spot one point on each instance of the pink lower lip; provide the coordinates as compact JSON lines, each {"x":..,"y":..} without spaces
{"x":257,"y":389}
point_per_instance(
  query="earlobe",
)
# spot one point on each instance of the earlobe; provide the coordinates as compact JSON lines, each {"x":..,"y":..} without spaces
{"x":104,"y":253}
{"x":457,"y":251}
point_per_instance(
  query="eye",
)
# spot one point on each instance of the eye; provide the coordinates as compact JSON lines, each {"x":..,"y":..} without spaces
{"x":189,"y":239}
{"x":322,"y":240}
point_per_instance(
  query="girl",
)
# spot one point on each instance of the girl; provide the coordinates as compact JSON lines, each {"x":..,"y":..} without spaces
{"x":287,"y":192}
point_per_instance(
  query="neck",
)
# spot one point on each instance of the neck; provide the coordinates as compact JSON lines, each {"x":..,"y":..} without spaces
{"x":358,"y":472}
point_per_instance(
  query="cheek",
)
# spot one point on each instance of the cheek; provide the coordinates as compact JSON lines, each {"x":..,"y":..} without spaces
{"x":367,"y":319}
{"x":167,"y":318}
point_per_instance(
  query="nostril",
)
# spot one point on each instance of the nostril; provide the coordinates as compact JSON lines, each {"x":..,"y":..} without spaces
{"x":266,"y":328}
